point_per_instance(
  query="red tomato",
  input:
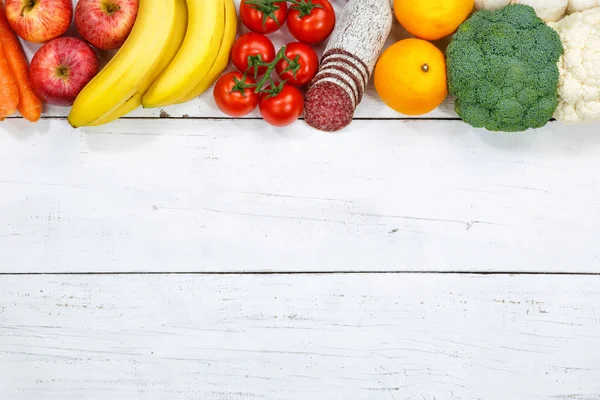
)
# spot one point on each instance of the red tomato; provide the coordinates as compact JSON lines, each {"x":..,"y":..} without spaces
{"x":282,"y":109}
{"x":301,"y":72}
{"x":263,"y":16}
{"x":247,"y":50}
{"x":232,"y":97}
{"x":310,"y":24}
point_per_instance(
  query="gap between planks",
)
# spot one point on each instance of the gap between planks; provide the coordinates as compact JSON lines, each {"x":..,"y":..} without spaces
{"x":332,"y":272}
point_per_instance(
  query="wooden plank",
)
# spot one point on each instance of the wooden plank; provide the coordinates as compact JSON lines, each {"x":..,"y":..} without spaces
{"x":360,"y":337}
{"x":176,"y":195}
{"x":204,"y":106}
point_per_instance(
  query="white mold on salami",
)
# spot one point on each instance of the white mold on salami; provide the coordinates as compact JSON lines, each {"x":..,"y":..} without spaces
{"x":350,"y":59}
{"x":361,"y":30}
{"x":345,"y":61}
{"x":348,"y":73}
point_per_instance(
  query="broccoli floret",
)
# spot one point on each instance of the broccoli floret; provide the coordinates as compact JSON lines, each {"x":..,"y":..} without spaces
{"x":502,"y":68}
{"x":521,"y":17}
{"x":477,"y":115}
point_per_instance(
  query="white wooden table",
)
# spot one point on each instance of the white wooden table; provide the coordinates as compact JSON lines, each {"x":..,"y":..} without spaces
{"x":198,"y":257}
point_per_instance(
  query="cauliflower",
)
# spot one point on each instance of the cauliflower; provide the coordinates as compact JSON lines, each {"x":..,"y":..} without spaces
{"x":579,"y":67}
{"x":581,"y":5}
{"x":548,"y":10}
{"x":490,"y":4}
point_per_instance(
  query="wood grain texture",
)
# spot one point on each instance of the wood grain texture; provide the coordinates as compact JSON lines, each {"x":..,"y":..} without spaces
{"x":204,"y":106}
{"x":176,"y":195}
{"x":360,"y":337}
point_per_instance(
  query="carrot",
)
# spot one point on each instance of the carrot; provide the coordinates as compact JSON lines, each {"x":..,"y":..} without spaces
{"x":9,"y":92}
{"x":30,"y":105}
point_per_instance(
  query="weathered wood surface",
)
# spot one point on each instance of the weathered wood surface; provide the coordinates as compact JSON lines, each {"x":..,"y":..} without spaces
{"x":360,"y":337}
{"x":178,"y":195}
{"x":196,"y":191}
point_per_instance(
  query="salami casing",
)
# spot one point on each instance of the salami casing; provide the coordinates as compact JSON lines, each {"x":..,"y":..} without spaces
{"x":347,"y":64}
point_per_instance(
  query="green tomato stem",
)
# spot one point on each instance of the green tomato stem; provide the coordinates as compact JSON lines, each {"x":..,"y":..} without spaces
{"x":270,"y":67}
{"x":305,"y":7}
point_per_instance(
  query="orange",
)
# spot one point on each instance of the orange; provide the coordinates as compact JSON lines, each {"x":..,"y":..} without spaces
{"x":432,"y":19}
{"x":410,"y":77}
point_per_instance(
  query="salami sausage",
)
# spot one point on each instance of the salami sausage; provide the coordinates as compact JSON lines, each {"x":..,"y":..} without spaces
{"x":347,"y":64}
{"x":358,"y":70}
{"x":340,"y":76}
{"x":347,"y":72}
{"x":328,"y":107}
{"x":350,"y":59}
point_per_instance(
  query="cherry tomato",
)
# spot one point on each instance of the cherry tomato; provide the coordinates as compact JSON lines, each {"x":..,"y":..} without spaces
{"x":263,"y":16}
{"x":302,"y":72}
{"x":310,"y":24}
{"x":232,"y":97}
{"x":282,"y":109}
{"x":248,"y":48}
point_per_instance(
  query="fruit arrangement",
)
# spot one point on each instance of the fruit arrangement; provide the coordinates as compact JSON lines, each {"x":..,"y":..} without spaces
{"x":511,"y":65}
{"x":63,"y":66}
{"x":166,"y":52}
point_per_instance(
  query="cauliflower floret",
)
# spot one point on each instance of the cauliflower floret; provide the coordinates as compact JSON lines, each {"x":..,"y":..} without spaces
{"x":490,"y":4}
{"x":581,"y":5}
{"x":548,"y":10}
{"x":579,"y":66}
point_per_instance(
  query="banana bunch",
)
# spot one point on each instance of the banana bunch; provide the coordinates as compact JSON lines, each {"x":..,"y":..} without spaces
{"x":176,"y":50}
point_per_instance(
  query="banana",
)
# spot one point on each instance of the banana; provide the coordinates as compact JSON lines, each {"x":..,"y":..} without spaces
{"x":120,"y":79}
{"x":198,"y":52}
{"x":224,"y":52}
{"x":172,"y":47}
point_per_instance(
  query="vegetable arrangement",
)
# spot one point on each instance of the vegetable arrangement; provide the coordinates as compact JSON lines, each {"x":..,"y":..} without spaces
{"x":509,"y":68}
{"x":511,"y":65}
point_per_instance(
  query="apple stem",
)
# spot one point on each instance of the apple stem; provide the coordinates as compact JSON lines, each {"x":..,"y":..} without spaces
{"x":62,"y":72}
{"x":111,"y":8}
{"x":27,"y":7}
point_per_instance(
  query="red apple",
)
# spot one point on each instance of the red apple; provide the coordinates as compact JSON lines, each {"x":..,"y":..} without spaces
{"x":39,"y":21}
{"x":61,"y":68}
{"x":105,"y":23}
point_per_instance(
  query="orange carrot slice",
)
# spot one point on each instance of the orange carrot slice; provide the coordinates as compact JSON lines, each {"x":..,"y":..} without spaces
{"x":9,"y":92}
{"x":30,"y":105}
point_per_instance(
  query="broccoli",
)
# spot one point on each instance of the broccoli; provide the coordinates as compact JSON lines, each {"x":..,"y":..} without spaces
{"x":502,"y":68}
